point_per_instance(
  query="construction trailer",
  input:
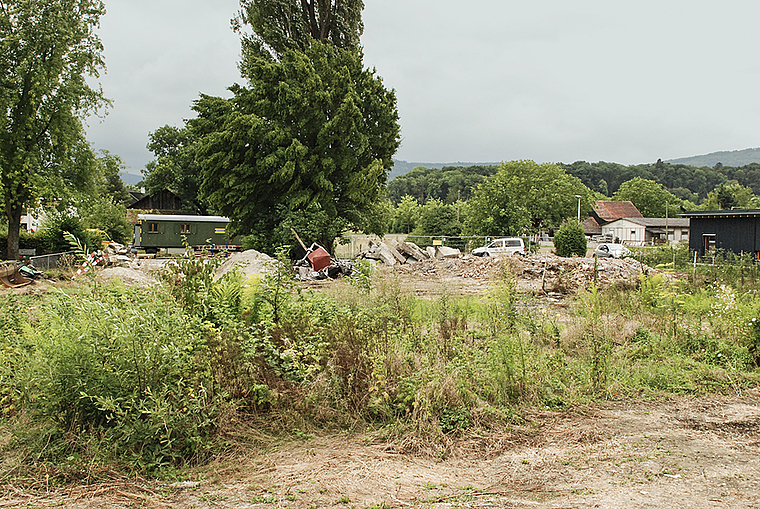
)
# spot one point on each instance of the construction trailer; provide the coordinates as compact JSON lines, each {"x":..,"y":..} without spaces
{"x":171,"y":232}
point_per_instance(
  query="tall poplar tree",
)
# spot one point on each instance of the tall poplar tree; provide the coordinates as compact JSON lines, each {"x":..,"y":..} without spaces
{"x":48,"y":50}
{"x":309,"y":141}
{"x":280,"y":25}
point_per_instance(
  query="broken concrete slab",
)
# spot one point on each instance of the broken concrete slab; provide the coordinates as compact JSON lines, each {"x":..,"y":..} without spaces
{"x":447,"y":252}
{"x":413,"y":250}
{"x":392,"y":245}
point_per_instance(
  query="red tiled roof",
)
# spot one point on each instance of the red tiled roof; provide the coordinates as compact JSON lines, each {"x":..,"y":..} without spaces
{"x":591,"y":227}
{"x":613,"y":210}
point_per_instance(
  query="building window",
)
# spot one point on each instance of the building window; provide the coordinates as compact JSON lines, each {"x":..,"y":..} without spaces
{"x":152,"y":227}
{"x":185,"y":228}
{"x":633,"y":233}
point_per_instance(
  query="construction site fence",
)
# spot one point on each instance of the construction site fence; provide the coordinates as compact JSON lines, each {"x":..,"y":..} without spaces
{"x":49,"y":261}
{"x":357,"y":243}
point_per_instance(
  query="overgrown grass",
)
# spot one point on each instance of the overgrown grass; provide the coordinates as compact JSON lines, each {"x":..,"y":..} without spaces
{"x":148,"y":381}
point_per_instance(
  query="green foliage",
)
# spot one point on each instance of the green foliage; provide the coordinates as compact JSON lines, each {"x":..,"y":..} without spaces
{"x":648,"y":196}
{"x":361,"y":277}
{"x":494,"y":210}
{"x":108,"y":181}
{"x":448,"y":184}
{"x":437,"y":218}
{"x":405,"y":215}
{"x":279,"y":26}
{"x":314,"y":133}
{"x":51,"y":52}
{"x":174,"y":168}
{"x":546,"y":191}
{"x":155,"y":378}
{"x":108,"y":217}
{"x":731,"y":195}
{"x":122,"y":365}
{"x":570,"y":240}
{"x":663,"y":257}
{"x":55,"y":224}
{"x":190,"y":281}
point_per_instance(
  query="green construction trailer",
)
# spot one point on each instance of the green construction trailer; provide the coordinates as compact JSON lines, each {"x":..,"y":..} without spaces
{"x":157,"y":232}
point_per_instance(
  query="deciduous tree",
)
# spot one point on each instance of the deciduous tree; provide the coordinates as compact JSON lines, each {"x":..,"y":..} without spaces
{"x":174,"y":168}
{"x":493,"y":210}
{"x":730,"y":195}
{"x":48,"y":53}
{"x":649,"y":197}
{"x":314,"y":131}
{"x":544,"y":193}
{"x":281,"y":25}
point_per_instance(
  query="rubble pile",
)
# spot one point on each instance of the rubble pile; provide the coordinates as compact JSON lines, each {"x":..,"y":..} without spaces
{"x":466,"y":266}
{"x":337,"y":268}
{"x":567,"y":274}
{"x":548,"y":274}
{"x":119,"y":255}
{"x":399,"y":252}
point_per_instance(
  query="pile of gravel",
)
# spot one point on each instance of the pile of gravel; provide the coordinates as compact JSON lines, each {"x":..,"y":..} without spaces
{"x":251,"y":263}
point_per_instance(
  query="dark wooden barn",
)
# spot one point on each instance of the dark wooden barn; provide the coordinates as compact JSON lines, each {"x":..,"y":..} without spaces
{"x":732,"y":230}
{"x":163,"y":201}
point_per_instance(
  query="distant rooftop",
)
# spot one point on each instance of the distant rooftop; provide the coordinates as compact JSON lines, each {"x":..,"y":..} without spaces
{"x":609,"y":211}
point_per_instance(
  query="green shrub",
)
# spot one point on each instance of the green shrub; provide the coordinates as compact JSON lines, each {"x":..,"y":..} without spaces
{"x":124,"y":365}
{"x":50,"y":235}
{"x":570,"y":240}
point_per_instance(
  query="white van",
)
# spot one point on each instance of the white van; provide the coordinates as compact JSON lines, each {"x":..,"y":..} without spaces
{"x":502,"y":246}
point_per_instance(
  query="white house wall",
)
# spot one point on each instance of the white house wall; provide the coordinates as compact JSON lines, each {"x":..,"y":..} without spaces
{"x":626,"y":231}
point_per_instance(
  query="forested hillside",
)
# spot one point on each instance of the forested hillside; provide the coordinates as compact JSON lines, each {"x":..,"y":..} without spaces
{"x":726,"y":158}
{"x":447,"y":184}
{"x":692,"y":183}
{"x":686,"y":182}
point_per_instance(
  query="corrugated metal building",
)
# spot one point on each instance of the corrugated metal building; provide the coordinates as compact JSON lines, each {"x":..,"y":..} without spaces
{"x":735,"y":230}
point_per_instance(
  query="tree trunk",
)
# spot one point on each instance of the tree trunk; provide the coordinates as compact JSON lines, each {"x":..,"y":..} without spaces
{"x":14,"y":227}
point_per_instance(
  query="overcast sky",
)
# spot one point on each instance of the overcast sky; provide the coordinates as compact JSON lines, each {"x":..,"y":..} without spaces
{"x":478,"y":81}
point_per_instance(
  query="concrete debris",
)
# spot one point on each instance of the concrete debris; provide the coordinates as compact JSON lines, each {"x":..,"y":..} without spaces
{"x":447,"y":252}
{"x":401,"y":252}
{"x":550,"y":275}
{"x":114,"y":248}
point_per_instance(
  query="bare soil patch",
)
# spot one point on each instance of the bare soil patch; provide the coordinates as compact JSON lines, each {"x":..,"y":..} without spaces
{"x":684,"y":452}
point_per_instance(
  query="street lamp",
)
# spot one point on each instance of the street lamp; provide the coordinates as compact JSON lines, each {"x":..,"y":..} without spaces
{"x":579,"y":207}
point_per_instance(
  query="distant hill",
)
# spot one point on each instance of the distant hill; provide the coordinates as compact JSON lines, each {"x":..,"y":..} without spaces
{"x":404,"y":167}
{"x":130,"y":178}
{"x":734,"y":158}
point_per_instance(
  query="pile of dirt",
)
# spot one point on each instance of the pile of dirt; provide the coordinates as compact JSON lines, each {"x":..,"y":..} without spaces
{"x":251,"y":262}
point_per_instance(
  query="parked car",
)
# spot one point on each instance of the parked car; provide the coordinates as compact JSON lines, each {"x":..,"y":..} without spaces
{"x":502,"y":246}
{"x":608,"y":250}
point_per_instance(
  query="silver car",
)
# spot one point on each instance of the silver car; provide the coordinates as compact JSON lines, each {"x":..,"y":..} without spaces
{"x":609,"y":250}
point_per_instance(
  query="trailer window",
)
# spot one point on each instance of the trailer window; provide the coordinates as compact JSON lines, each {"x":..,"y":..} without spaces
{"x":152,"y":227}
{"x":185,"y":228}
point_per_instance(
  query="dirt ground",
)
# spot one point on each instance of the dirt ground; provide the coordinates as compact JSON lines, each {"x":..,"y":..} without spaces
{"x":678,"y":453}
{"x":682,"y":452}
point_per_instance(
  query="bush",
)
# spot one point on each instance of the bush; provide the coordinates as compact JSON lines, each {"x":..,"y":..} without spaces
{"x":122,"y":365}
{"x":570,"y":240}
{"x":26,"y":241}
{"x":50,"y":235}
